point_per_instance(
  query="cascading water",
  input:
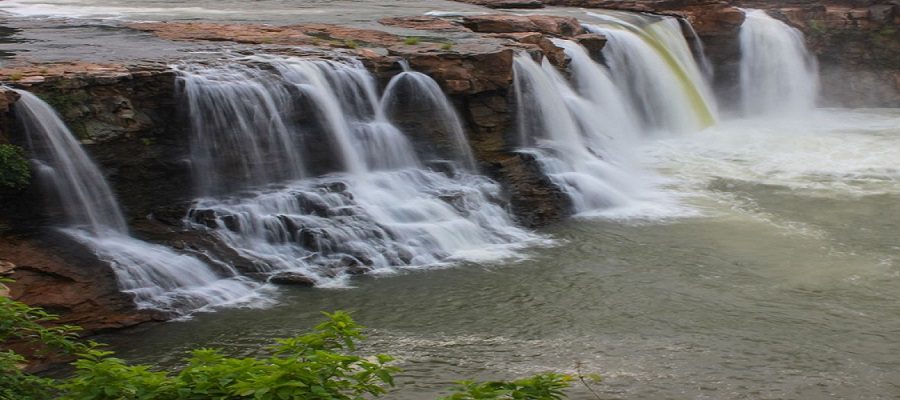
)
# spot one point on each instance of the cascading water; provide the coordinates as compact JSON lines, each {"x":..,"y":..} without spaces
{"x":383,"y":212}
{"x":416,"y":87}
{"x":157,"y":277}
{"x":778,"y":74}
{"x":652,"y":61}
{"x":581,"y":139}
{"x":226,"y":153}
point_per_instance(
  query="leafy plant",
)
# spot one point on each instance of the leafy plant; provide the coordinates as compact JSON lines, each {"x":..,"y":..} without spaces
{"x":411,"y":40}
{"x":316,"y":366}
{"x":25,"y":324}
{"x":447,"y":46}
{"x":14,"y":171}
{"x":549,"y":386}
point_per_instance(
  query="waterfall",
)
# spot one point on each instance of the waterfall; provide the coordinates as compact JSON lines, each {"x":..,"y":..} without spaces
{"x":380,"y":208}
{"x":778,"y":74}
{"x":418,"y":88}
{"x":652,"y":61}
{"x":226,"y":155}
{"x":157,"y":277}
{"x":79,"y":187}
{"x":582,"y":137}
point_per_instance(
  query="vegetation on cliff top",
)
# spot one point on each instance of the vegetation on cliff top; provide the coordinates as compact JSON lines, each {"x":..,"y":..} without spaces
{"x":317,"y":365}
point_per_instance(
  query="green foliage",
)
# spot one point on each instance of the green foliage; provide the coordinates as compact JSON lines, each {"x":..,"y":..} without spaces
{"x":411,"y":40}
{"x":351,"y":44}
{"x":447,"y":46}
{"x":316,"y":366}
{"x":547,"y":386}
{"x":14,"y":171}
{"x":15,"y":76}
{"x":22,"y":323}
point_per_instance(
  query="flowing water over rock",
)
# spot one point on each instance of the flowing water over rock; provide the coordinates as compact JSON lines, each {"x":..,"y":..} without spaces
{"x":585,"y":135}
{"x":651,"y":60}
{"x":157,"y":277}
{"x":778,"y":74}
{"x":380,"y":210}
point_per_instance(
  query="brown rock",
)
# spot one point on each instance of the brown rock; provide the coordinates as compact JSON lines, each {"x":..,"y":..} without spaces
{"x":423,"y":23}
{"x":292,"y":278}
{"x":504,"y":23}
{"x":592,"y":42}
{"x":7,"y":98}
{"x":71,"y":282}
{"x":507,"y":3}
{"x":469,"y":67}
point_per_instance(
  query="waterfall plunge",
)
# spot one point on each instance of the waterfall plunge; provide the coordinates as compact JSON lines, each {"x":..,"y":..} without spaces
{"x":778,"y":75}
{"x":653,"y":63}
{"x":384,"y":211}
{"x":582,"y":137}
{"x":157,"y":277}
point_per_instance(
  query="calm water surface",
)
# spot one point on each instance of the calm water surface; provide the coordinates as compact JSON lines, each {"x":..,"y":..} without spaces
{"x":774,"y":274}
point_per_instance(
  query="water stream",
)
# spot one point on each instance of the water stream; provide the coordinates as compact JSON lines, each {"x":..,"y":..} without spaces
{"x":778,"y":74}
{"x":158,"y":277}
{"x":380,"y":209}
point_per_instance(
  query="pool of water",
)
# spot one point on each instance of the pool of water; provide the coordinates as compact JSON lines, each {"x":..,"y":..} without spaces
{"x":776,"y":275}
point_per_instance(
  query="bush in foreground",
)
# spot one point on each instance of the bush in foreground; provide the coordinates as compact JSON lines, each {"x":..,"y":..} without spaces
{"x":315,"y":366}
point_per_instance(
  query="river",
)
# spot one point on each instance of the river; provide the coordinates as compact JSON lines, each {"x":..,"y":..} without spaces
{"x":773,"y":275}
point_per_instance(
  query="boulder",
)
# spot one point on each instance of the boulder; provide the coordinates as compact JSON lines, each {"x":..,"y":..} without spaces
{"x":592,"y":42}
{"x":292,"y":278}
{"x":506,"y":23}
{"x":66,"y":279}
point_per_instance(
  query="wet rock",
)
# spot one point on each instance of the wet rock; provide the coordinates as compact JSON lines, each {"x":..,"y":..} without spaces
{"x":512,"y":4}
{"x":534,"y":199}
{"x":292,"y":278}
{"x":232,"y":223}
{"x":312,"y":204}
{"x":205,"y":217}
{"x":66,"y":279}
{"x":335,"y":187}
{"x":592,"y":42}
{"x":7,"y":99}
{"x":312,"y":239}
{"x":467,"y":68}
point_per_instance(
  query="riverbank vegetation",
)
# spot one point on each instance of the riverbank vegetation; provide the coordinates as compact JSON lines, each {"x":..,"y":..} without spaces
{"x":322,"y":364}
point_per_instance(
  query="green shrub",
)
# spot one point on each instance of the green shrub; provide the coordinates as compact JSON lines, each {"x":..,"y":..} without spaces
{"x":549,"y":386}
{"x":14,"y":171}
{"x":23,"y":323}
{"x":411,"y":40}
{"x":316,"y":366}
